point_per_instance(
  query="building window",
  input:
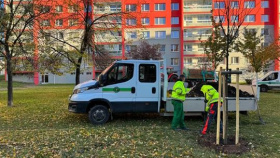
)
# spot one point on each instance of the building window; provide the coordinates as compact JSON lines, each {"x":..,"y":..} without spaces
{"x":175,"y":34}
{"x":160,"y":21}
{"x":73,"y":22}
{"x":73,"y":8}
{"x":58,"y":22}
{"x":264,"y":32}
{"x":160,"y":34}
{"x":219,"y":5}
{"x":263,"y":45}
{"x":174,"y":6}
{"x":115,"y":8}
{"x":145,"y":21}
{"x":219,"y":19}
{"x":47,"y":36}
{"x":234,"y":19}
{"x":59,"y":35}
{"x":145,"y":7}
{"x":249,"y":4}
{"x":146,"y":34}
{"x":188,"y":47}
{"x":265,"y":18}
{"x":174,"y":61}
{"x":45,"y":23}
{"x":234,"y":60}
{"x":58,"y":9}
{"x":188,"y":33}
{"x":129,"y":48}
{"x":161,"y":48}
{"x":131,"y":22}
{"x":251,"y":30}
{"x":204,"y":19}
{"x":250,"y":18}
{"x":188,"y":19}
{"x":131,"y":35}
{"x":45,"y":9}
{"x":234,"y":4}
{"x":175,"y":20}
{"x":174,"y":47}
{"x":130,"y":7}
{"x":188,"y":61}
{"x":265,"y":4}
{"x":160,"y":7}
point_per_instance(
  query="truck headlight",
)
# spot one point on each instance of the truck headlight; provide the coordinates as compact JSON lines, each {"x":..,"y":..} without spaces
{"x":80,"y":90}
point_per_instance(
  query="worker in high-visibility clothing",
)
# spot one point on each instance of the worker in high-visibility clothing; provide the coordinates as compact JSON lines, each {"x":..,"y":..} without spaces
{"x":178,"y":97}
{"x":211,"y":99}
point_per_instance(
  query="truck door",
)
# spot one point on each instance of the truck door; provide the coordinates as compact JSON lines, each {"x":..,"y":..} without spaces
{"x":272,"y":79}
{"x":147,"y":88}
{"x":119,"y":89}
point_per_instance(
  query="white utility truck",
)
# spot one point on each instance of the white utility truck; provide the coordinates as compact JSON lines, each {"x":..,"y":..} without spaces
{"x":271,"y":80}
{"x":135,"y":86}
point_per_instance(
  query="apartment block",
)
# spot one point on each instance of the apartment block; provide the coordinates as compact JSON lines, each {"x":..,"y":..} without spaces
{"x":178,"y":26}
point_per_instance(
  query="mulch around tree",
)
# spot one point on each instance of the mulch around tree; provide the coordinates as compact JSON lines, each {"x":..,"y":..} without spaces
{"x":209,"y":141}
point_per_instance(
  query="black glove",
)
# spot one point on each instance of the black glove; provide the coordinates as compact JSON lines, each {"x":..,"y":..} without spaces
{"x":205,"y":101}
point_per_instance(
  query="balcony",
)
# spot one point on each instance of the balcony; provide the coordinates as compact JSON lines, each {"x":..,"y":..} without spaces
{"x":112,"y":8}
{"x":197,"y":8}
{"x":108,"y":38}
{"x":198,"y":23}
{"x":115,"y":53}
{"x":194,"y":37}
{"x":193,"y":52}
{"x":107,"y":24}
{"x":106,"y":10}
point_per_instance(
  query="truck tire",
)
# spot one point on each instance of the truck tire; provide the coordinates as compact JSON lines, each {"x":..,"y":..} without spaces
{"x":264,"y":88}
{"x":99,"y":114}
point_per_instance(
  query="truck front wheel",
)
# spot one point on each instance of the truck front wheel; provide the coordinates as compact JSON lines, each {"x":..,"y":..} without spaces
{"x":263,"y":88}
{"x":99,"y":114}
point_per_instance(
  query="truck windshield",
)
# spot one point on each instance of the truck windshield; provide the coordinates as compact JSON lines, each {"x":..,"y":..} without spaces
{"x":105,"y":71}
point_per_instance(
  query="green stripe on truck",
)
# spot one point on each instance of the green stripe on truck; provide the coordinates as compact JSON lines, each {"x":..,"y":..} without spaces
{"x":116,"y":89}
{"x":267,"y":82}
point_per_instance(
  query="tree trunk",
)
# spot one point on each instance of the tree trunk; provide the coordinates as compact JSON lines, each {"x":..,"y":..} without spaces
{"x":10,"y":81}
{"x":78,"y":71}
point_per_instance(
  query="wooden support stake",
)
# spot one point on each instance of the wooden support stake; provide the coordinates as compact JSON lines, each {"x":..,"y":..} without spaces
{"x":237,"y":109}
{"x":219,"y":108}
{"x":224,"y":109}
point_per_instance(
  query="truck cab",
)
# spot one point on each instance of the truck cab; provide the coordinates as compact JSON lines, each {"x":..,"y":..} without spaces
{"x":271,"y":80}
{"x":125,"y":86}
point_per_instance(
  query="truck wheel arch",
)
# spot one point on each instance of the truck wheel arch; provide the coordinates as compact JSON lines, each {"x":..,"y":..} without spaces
{"x":98,"y":101}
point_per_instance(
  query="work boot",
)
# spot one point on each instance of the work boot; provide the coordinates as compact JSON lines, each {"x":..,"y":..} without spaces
{"x":185,"y":128}
{"x":176,"y":129}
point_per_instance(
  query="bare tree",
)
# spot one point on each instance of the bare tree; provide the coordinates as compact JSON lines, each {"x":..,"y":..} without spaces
{"x":145,"y":51}
{"x":16,"y":24}
{"x":83,"y":46}
{"x":214,"y":46}
{"x":229,"y":16}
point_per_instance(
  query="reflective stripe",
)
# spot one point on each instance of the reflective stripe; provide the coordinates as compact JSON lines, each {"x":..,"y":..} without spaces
{"x":210,"y":89}
{"x":178,"y":89}
{"x":212,"y":100}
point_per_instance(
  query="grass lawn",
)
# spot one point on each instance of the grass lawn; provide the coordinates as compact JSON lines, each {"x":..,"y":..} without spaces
{"x":40,"y":125}
{"x":3,"y":83}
